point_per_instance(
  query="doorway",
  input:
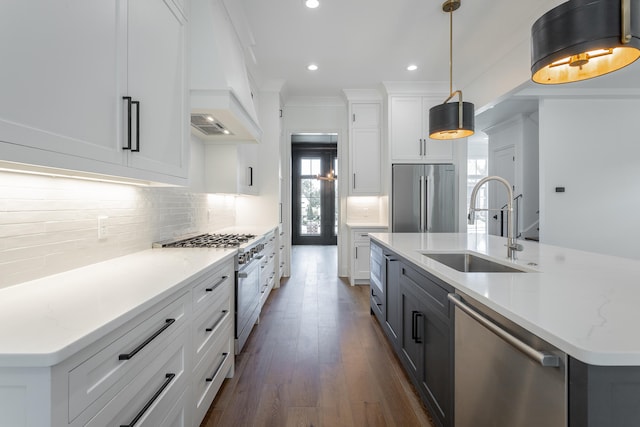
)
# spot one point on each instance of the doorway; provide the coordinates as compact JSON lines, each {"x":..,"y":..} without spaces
{"x":504,"y":159}
{"x":314,"y":193}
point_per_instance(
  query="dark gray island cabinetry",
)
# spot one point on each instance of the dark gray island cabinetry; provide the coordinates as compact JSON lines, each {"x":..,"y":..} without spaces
{"x":416,"y":317}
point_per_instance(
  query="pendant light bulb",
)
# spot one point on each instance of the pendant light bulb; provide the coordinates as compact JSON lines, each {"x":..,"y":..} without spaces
{"x":451,"y":120}
{"x":583,"y":39}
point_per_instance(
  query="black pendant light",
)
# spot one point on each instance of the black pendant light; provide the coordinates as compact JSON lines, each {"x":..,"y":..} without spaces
{"x":451,"y":120}
{"x":582,"y":39}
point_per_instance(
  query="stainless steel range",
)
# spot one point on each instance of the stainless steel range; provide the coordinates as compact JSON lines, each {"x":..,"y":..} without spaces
{"x":247,"y":263}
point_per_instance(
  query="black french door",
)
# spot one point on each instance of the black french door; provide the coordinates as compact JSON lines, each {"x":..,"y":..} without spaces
{"x":314,"y":190}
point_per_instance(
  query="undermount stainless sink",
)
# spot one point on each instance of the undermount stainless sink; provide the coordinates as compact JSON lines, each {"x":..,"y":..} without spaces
{"x":469,"y":263}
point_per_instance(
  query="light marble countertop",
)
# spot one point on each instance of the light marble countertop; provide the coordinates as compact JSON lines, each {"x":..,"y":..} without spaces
{"x":584,"y":303}
{"x":44,"y":321}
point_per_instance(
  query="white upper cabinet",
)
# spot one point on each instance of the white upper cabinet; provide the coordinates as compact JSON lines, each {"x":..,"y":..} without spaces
{"x":60,"y":79}
{"x":156,"y":58}
{"x":65,"y":72}
{"x":409,"y":131}
{"x":365,"y":149}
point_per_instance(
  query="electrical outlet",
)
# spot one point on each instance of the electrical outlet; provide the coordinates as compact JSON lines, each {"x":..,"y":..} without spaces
{"x":102,"y":227}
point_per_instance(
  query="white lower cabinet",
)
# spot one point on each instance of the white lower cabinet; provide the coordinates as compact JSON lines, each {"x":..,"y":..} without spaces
{"x":359,"y":249}
{"x":213,"y":338}
{"x":268,"y":266}
{"x":146,"y":399}
{"x":163,"y":367}
{"x":211,"y":371}
{"x":94,"y":379}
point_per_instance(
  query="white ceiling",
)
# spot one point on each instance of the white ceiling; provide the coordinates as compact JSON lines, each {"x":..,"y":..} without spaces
{"x":361,"y":43}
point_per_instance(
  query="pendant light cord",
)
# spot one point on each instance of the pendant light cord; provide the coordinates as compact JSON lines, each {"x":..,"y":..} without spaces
{"x":450,"y":51}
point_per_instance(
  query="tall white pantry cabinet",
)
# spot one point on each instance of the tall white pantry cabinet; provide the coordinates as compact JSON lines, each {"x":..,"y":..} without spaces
{"x":66,"y":70}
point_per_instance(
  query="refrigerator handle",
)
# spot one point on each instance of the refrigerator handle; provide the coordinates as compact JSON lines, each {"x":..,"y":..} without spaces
{"x":427,"y":225}
{"x":422,"y":204}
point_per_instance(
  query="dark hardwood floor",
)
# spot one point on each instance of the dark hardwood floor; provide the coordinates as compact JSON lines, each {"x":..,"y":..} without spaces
{"x":317,"y":358}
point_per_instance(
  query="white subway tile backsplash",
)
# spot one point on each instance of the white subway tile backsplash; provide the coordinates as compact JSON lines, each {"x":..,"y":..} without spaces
{"x":49,"y":224}
{"x":20,"y":229}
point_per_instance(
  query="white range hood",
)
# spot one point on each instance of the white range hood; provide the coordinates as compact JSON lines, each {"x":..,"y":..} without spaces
{"x":222,"y":105}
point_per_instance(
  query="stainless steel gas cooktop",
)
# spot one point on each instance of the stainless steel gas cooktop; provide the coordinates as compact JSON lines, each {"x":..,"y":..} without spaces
{"x":208,"y":241}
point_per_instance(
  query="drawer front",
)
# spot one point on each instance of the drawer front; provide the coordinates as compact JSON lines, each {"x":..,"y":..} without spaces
{"x":148,"y":398}
{"x":209,"y":324}
{"x":361,"y":236}
{"x":210,"y":374}
{"x":124,"y":356}
{"x":209,"y":287}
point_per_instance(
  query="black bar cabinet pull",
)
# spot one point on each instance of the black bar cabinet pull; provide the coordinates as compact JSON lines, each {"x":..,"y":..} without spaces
{"x":169,"y":378}
{"x":220,"y":282}
{"x":414,"y":326}
{"x":137,"y":149}
{"x":250,"y":176}
{"x":127,"y":356}
{"x":128,"y":146}
{"x":418,"y":339}
{"x":224,"y":358}
{"x":224,"y":314}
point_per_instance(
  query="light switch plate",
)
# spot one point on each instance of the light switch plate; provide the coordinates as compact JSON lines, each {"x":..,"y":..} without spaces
{"x":102,"y":227}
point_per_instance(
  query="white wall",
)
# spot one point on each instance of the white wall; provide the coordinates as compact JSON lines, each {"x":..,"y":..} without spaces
{"x":590,"y":147}
{"x":319,"y":115}
{"x":521,"y":132}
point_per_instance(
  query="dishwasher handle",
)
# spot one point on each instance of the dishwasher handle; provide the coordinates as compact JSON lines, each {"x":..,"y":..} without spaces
{"x":543,"y":358}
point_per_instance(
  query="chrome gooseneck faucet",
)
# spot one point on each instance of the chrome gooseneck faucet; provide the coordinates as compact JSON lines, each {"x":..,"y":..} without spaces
{"x":512,"y":245}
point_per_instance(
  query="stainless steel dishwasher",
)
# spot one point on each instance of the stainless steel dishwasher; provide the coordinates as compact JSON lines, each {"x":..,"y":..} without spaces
{"x":504,"y":375}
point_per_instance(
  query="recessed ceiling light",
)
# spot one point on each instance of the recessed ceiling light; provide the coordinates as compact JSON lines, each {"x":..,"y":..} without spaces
{"x":312,"y":67}
{"x":312,"y":4}
{"x":412,"y":67}
{"x":210,"y":119}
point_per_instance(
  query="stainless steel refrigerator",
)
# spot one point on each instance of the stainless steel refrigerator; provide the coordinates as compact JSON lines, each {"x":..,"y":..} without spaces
{"x":424,"y":199}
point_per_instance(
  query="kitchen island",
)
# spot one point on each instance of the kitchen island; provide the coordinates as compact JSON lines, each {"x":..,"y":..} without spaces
{"x":581,"y":304}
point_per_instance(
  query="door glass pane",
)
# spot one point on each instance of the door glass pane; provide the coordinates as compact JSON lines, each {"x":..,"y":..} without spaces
{"x":309,"y":166}
{"x":310,"y":207}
